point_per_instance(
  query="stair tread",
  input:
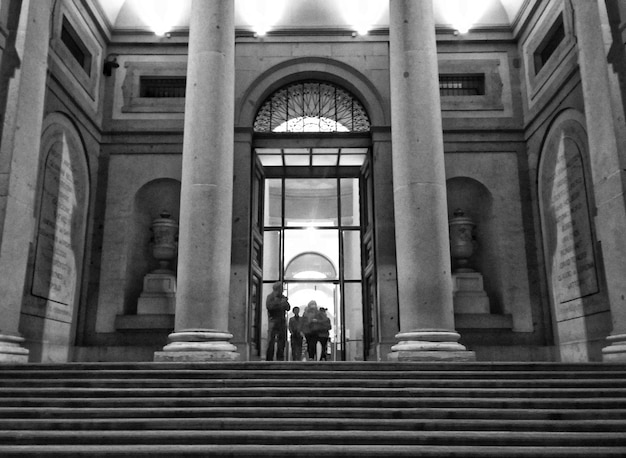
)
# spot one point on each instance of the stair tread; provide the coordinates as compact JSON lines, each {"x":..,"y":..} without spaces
{"x":329,"y":437}
{"x":317,"y":450}
{"x":288,"y":392}
{"x":407,"y":401}
{"x":554,"y":383}
{"x":306,"y":373}
{"x":351,"y":412}
{"x":313,"y":409}
{"x":204,"y":423}
{"x":164,"y":434}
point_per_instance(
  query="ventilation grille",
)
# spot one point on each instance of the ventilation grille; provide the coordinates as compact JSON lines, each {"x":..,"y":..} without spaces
{"x":455,"y":85}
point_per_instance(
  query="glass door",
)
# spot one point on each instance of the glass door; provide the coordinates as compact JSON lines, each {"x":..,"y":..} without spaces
{"x":312,"y":242}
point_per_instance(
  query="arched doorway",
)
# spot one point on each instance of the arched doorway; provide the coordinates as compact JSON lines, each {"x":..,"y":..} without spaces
{"x":312,"y":210}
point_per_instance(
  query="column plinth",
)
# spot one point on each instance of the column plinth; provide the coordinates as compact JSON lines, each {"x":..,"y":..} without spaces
{"x":419,"y":184}
{"x":615,"y":352}
{"x":11,"y":349}
{"x":430,"y":345}
{"x":198,"y":345}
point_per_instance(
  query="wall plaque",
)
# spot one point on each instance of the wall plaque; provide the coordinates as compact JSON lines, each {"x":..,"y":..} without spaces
{"x":566,"y":223}
{"x":60,"y":231}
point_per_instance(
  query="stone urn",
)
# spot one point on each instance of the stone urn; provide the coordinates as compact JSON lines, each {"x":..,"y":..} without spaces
{"x":165,"y":242}
{"x":461,"y":241}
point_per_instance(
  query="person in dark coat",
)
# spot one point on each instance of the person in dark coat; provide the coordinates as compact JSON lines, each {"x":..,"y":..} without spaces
{"x":276,"y":304}
{"x":323,"y":332}
{"x":295,"y":329}
{"x":309,"y":328}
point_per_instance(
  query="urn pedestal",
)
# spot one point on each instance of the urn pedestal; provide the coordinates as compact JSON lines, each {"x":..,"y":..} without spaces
{"x":159,"y":286}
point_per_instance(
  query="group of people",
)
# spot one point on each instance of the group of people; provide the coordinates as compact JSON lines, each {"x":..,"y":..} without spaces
{"x":312,"y":327}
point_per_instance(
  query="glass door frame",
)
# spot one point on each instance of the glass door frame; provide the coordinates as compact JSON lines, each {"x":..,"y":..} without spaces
{"x":349,"y":140}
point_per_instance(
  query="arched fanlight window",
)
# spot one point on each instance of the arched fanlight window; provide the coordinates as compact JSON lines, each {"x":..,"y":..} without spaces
{"x":311,"y":106}
{"x":310,"y":266}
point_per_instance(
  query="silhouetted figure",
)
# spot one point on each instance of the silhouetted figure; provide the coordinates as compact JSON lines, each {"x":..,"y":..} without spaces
{"x":309,"y":328}
{"x":323,"y":333}
{"x":276,"y":304}
{"x":295,"y":329}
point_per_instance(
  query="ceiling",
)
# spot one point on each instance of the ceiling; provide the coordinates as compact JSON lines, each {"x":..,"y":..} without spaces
{"x":162,"y":16}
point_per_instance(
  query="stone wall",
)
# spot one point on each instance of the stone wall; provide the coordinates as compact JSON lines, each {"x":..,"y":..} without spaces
{"x":568,"y":273}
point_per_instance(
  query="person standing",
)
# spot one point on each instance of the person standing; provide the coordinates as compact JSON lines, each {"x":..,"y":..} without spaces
{"x":295,"y":329}
{"x":276,"y":304}
{"x":323,"y":333}
{"x":309,"y":328}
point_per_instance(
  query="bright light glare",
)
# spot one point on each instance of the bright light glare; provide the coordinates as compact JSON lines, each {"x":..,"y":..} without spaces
{"x":462,"y":14}
{"x":262,"y":15}
{"x":362,"y":14}
{"x":311,"y":124}
{"x":309,"y":275}
{"x":160,"y":15}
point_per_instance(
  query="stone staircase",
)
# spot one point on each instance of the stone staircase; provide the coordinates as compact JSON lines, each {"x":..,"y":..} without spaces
{"x":313,"y":409}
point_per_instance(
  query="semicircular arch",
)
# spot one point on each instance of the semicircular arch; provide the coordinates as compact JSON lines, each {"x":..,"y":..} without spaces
{"x":321,"y":69}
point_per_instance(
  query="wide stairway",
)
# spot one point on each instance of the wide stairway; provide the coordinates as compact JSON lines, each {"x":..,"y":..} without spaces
{"x":313,"y":409}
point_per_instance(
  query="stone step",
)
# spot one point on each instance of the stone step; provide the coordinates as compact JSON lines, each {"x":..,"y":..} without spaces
{"x":328,"y":401}
{"x":330,"y":411}
{"x":320,"y":412}
{"x":313,"y":409}
{"x":309,"y":370}
{"x":329,"y":437}
{"x":310,"y":451}
{"x":234,"y":366}
{"x":141,"y":383}
{"x":567,"y":394}
{"x":320,"y":423}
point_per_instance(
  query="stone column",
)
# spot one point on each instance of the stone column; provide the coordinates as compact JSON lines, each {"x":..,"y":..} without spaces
{"x":22,"y":95}
{"x":605,"y":129}
{"x":202,"y":298}
{"x":422,"y":245}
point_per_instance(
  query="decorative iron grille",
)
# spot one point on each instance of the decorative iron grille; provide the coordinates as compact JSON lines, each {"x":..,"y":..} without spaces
{"x":311,"y":106}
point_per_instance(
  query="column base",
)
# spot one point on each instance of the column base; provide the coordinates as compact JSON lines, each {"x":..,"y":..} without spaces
{"x":434,"y":356}
{"x":195,"y":345}
{"x":430,"y":345}
{"x":11,"y":350}
{"x":616,"y":350}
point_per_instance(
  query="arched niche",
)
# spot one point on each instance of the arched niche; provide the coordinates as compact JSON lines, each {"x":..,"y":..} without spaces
{"x":152,"y":199}
{"x":476,"y":201}
{"x":311,"y":68}
{"x":62,"y":212}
